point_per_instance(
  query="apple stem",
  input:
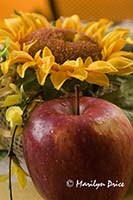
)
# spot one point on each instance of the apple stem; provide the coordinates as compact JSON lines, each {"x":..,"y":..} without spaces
{"x":77,"y":99}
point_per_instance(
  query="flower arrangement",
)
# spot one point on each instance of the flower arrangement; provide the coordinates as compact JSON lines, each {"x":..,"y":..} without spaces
{"x":41,"y":60}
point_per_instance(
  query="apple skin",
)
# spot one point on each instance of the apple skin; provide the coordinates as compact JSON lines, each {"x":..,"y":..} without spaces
{"x":95,"y":145}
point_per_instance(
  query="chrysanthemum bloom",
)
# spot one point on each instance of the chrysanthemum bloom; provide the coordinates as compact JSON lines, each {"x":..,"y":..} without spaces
{"x":37,"y":54}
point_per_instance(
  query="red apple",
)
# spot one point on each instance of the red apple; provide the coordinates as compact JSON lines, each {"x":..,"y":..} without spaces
{"x":79,"y":157}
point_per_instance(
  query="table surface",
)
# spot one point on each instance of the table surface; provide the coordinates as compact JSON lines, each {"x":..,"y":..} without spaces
{"x":29,"y":192}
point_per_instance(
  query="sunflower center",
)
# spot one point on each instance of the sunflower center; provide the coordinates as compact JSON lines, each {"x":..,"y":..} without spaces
{"x":65,"y":44}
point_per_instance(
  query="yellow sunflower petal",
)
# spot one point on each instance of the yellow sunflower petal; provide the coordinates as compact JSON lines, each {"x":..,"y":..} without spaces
{"x":101,"y":66}
{"x":118,"y":45}
{"x":97,"y":29}
{"x":58,"y":78}
{"x":4,"y":34}
{"x":20,"y":174}
{"x":21,"y":69}
{"x":36,"y":18}
{"x":27,"y":20}
{"x":120,"y":62}
{"x":88,"y":61}
{"x":13,"y":45}
{"x":19,"y":56}
{"x":130,"y":40}
{"x":125,"y":71}
{"x":72,"y":22}
{"x":37,"y":55}
{"x":114,"y":35}
{"x":22,"y":24}
{"x":15,"y":57}
{"x":22,"y":180}
{"x":114,"y":47}
{"x":5,"y":66}
{"x":43,"y":70}
{"x":98,"y":79}
{"x":22,"y":32}
{"x":46,"y":52}
{"x":79,"y":73}
{"x":11,"y":24}
{"x":71,"y":64}
{"x":58,"y":23}
{"x":121,"y":53}
{"x":26,"y":47}
{"x":41,"y":76}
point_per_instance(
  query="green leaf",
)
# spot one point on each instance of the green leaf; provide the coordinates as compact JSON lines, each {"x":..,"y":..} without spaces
{"x":4,"y":52}
{"x":129,"y":114}
{"x":20,"y":173}
{"x":3,"y":153}
{"x":123,"y":96}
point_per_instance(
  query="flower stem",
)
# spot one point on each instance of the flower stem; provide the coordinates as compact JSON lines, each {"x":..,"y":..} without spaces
{"x":11,"y":154}
{"x":10,"y":181}
{"x":77,"y":99}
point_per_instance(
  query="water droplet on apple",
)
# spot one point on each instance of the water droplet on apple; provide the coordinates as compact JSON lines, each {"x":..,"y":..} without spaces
{"x":100,"y":122}
{"x":63,"y":104}
{"x":51,"y":131}
{"x":45,"y":178}
{"x":78,"y":130}
{"x":63,"y":162}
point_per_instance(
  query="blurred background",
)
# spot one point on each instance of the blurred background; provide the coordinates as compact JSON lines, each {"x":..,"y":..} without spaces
{"x":117,"y":10}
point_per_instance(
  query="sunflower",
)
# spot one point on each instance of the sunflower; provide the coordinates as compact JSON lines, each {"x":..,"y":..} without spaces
{"x":36,"y":54}
{"x":113,"y":60}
